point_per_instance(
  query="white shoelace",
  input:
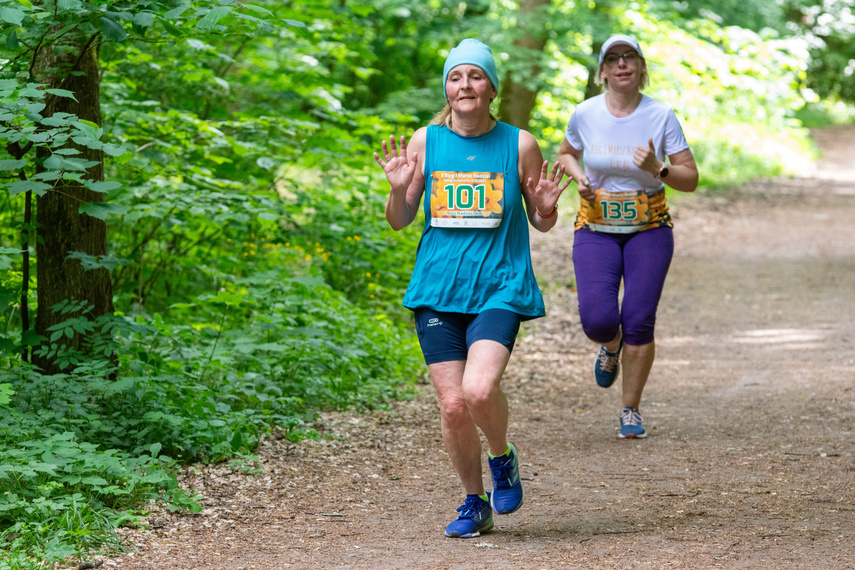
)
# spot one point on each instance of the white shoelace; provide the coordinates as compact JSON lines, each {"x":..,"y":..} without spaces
{"x":608,"y":361}
{"x":630,"y":417}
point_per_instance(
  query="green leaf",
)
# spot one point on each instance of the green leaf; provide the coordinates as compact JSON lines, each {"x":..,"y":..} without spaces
{"x":12,"y":15}
{"x":31,"y":338}
{"x":175,"y":13}
{"x":266,"y":12}
{"x":101,"y":210}
{"x":93,"y":480}
{"x":210,"y":19}
{"x":61,"y":93}
{"x":12,"y":41}
{"x":88,"y":262}
{"x":6,"y":392}
{"x":12,"y":164}
{"x":53,"y":163}
{"x":227,"y":298}
{"x":102,"y":186}
{"x":40,"y":188}
{"x":144,"y":19}
{"x":155,"y":449}
{"x":112,"y":30}
{"x":114,"y":150}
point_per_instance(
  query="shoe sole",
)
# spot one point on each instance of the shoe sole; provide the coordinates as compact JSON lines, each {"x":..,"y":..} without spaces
{"x":633,"y":436}
{"x":470,"y":534}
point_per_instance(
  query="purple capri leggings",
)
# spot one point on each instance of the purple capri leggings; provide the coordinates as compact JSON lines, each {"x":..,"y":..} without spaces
{"x":601,"y":260}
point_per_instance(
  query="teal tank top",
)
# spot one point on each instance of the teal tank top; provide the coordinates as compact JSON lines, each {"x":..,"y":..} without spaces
{"x":474,"y":251}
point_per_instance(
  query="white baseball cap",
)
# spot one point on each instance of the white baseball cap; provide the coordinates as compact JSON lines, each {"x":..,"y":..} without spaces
{"x":620,"y":39}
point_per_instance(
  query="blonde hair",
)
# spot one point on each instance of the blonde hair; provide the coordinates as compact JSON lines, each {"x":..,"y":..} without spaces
{"x":444,"y":117}
{"x":645,"y":78}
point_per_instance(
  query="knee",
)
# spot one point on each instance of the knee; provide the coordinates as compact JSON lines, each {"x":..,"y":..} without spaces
{"x":478,"y":395}
{"x":641,"y":332}
{"x":600,"y":330}
{"x":455,"y":412}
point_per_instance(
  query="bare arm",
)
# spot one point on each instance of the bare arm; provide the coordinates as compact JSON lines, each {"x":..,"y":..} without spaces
{"x":569,"y":158}
{"x":404,"y":170}
{"x":540,"y":188}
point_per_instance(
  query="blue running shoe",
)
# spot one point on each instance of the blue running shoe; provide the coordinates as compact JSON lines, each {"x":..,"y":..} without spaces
{"x":508,"y":494}
{"x":475,"y":517}
{"x":630,"y":424}
{"x":607,"y":366}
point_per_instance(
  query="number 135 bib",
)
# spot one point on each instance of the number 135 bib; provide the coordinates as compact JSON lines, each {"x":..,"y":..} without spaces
{"x":467,"y":199}
{"x":619,"y":212}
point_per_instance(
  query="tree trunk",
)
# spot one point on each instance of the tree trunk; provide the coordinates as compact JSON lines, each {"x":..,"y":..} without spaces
{"x":61,"y":229}
{"x":519,"y":95}
{"x":591,"y":88}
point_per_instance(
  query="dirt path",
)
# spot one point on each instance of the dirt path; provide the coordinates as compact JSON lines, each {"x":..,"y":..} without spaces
{"x":750,"y":406}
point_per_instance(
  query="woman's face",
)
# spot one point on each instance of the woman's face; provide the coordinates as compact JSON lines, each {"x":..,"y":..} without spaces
{"x":621,"y":68}
{"x":469,"y":89}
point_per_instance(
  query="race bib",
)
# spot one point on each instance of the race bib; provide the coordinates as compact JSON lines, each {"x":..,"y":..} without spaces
{"x":619,"y":212}
{"x":467,"y":199}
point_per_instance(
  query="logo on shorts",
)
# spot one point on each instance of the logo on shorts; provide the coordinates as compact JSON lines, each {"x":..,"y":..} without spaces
{"x":433,"y":322}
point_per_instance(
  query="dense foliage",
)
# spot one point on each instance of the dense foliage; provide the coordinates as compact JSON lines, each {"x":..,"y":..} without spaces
{"x":255,"y":280}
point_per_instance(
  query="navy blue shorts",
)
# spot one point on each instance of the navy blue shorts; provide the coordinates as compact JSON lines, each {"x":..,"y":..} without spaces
{"x":448,"y":336}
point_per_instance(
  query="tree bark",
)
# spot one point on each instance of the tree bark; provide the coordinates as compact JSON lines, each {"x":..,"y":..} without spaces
{"x":61,"y":229}
{"x":519,"y":96}
{"x":591,"y":87}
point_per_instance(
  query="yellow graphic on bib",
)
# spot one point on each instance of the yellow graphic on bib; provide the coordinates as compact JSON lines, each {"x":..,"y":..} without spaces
{"x":624,"y":212}
{"x":467,"y":199}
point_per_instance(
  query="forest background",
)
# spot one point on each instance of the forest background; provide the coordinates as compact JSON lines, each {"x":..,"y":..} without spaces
{"x":193,"y":251}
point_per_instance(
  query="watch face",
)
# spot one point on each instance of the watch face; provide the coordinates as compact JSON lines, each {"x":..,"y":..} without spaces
{"x":663,"y":173}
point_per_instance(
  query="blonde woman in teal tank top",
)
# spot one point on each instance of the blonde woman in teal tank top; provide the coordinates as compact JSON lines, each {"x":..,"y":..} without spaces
{"x":483,"y":183}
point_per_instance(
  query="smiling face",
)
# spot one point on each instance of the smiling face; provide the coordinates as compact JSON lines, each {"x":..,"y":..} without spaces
{"x":469,"y":89}
{"x":623,"y":69}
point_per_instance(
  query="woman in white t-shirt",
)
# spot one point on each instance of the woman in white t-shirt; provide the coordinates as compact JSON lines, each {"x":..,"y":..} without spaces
{"x":623,"y":228}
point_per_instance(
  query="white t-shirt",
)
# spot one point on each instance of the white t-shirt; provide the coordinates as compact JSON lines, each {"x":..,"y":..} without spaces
{"x":608,"y":142}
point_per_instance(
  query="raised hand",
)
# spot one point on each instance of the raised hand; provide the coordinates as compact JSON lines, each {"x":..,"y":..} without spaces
{"x":545,"y":193}
{"x":644,"y":158}
{"x":399,"y":168}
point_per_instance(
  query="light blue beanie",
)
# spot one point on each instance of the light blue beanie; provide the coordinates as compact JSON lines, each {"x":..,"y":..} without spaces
{"x":472,"y":52}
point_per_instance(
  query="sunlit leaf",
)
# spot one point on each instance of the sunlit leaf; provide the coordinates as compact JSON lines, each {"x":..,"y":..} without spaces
{"x":12,"y":15}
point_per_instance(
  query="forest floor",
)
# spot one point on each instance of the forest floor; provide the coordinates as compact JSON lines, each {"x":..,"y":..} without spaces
{"x":750,"y":408}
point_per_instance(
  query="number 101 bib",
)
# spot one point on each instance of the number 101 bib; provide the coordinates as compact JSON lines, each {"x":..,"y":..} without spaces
{"x":467,"y":199}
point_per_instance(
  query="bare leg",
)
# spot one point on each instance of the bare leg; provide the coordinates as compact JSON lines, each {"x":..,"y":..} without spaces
{"x":637,"y":362}
{"x":487,"y":403}
{"x":470,"y":398}
{"x":459,"y":432}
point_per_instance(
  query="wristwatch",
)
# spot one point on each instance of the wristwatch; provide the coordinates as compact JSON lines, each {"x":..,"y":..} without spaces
{"x":663,"y":171}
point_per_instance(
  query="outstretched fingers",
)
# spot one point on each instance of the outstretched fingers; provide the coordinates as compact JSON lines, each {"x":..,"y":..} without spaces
{"x":403,"y":153}
{"x":391,"y":152}
{"x":379,"y":160}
